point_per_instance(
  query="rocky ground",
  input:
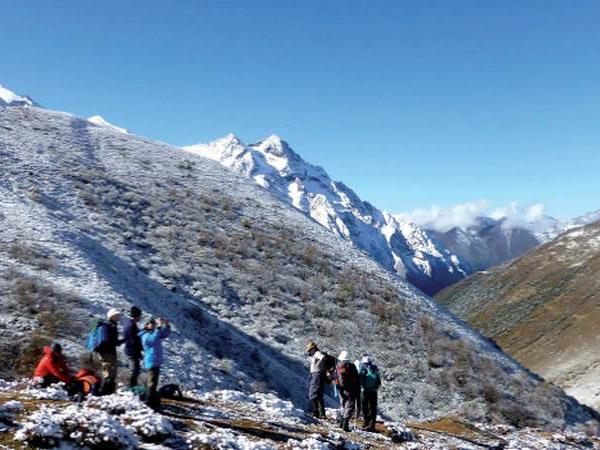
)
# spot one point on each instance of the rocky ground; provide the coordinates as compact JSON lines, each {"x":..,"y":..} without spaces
{"x":225,"y":419}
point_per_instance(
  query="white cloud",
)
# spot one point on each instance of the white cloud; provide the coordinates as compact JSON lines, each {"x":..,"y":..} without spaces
{"x":463,"y":215}
{"x":444,"y":219}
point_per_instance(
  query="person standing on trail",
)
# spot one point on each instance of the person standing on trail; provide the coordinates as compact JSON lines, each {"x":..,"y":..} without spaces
{"x":348,"y":383}
{"x":107,"y":350}
{"x":316,"y":388}
{"x":133,"y":344}
{"x":370,"y":381}
{"x":155,"y":330}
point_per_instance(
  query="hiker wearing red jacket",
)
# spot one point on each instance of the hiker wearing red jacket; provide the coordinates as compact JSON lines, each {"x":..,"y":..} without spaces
{"x":52,"y":368}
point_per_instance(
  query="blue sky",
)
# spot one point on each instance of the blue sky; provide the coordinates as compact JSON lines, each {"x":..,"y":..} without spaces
{"x":411,"y":103}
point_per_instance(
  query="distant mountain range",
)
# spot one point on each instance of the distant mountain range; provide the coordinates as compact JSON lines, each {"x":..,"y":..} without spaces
{"x":428,"y":258}
{"x":543,"y":308}
{"x":393,"y":242}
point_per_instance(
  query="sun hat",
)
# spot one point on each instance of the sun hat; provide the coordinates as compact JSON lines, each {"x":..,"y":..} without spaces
{"x":311,"y":345}
{"x":112,"y":312}
{"x":343,"y":356}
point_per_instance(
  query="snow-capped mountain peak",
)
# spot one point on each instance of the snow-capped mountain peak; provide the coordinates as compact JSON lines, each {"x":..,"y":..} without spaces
{"x":101,"y":122}
{"x":9,"y":98}
{"x":396,"y":244}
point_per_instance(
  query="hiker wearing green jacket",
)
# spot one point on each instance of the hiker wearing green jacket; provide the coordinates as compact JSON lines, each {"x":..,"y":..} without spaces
{"x":370,"y":381}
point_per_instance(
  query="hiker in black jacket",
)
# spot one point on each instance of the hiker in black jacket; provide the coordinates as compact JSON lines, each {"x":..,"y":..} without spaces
{"x":133,"y":344}
{"x":107,"y":351}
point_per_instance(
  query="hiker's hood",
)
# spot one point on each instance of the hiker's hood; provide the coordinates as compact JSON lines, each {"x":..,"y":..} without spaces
{"x":48,"y":352}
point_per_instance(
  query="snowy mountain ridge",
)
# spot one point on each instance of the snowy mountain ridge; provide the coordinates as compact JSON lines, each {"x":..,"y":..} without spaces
{"x":101,"y":122}
{"x":9,"y":98}
{"x":394,"y":242}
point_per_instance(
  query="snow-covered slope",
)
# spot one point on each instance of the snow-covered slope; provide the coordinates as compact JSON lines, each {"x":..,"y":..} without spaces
{"x":9,"y":98}
{"x":588,"y":218}
{"x":395,"y":243}
{"x":101,"y":122}
{"x":91,"y":218}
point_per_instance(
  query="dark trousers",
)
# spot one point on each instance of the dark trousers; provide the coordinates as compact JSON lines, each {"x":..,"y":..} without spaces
{"x":134,"y":368}
{"x":369,"y":408}
{"x":152,"y":397}
{"x":316,"y":392}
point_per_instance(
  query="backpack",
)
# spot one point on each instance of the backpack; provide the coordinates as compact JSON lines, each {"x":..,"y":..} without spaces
{"x":370,"y":377}
{"x":170,"y":391}
{"x":90,"y":383}
{"x":348,"y":377}
{"x":328,"y":364}
{"x":97,"y":335}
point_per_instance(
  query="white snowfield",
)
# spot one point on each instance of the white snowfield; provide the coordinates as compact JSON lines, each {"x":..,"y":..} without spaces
{"x":395,"y":243}
{"x":92,"y":218}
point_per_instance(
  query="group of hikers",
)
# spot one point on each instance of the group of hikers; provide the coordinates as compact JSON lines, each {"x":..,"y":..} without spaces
{"x":143,"y":348}
{"x":356,"y":384}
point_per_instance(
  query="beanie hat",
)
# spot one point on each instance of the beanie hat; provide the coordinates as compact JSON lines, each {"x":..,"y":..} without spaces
{"x":134,"y":311}
{"x":56,"y":348}
{"x":343,"y":356}
{"x":366,"y":359}
{"x":112,"y":312}
{"x":149,"y":321}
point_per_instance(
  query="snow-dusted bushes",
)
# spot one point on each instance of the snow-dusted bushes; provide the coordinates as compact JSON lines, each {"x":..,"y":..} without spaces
{"x":223,"y":439}
{"x":86,"y":427}
{"x":134,"y":414}
{"x":115,"y":421}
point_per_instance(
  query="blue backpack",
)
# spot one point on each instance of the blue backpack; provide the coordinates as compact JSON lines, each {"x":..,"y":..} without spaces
{"x":97,"y":335}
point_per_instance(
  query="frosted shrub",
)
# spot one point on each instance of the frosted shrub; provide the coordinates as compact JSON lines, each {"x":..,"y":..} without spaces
{"x":147,"y":424}
{"x":227,"y":440}
{"x":53,"y":392}
{"x":133,"y":414}
{"x":85,"y":427}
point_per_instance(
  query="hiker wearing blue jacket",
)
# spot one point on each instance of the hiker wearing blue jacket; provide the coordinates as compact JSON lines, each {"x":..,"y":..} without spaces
{"x":155,"y":330}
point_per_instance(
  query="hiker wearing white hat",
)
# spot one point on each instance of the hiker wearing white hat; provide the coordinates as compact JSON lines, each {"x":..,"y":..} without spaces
{"x":348,"y":384}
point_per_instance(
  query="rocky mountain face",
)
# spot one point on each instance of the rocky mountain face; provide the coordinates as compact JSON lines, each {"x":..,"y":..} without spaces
{"x":488,"y":242}
{"x":543,"y":308}
{"x":393,"y":242}
{"x":92,"y":218}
